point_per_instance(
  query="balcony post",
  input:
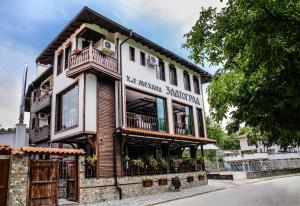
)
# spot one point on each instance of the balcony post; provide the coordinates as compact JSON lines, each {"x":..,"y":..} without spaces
{"x":91,"y":51}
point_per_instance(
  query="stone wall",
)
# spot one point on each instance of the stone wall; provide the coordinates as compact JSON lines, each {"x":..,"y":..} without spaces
{"x":18,"y":180}
{"x":103,"y":189}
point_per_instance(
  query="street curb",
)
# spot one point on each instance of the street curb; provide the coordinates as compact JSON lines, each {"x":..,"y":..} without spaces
{"x":179,"y":198}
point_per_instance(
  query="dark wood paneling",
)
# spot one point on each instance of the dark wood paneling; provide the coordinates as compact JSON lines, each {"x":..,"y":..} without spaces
{"x":72,"y":180}
{"x":106,"y":125}
{"x":43,"y":182}
{"x":4,"y":165}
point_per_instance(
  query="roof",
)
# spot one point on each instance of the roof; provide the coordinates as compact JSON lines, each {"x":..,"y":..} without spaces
{"x":87,"y":15}
{"x":4,"y":149}
{"x":47,"y":151}
{"x":144,"y":132}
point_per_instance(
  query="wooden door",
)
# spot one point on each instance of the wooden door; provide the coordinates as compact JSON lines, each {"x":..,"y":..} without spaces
{"x":4,"y":165}
{"x":72,"y":180}
{"x":43,"y":182}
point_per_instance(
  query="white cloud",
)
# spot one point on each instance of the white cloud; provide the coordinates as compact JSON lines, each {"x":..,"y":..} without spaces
{"x":182,"y":14}
{"x":11,"y":74}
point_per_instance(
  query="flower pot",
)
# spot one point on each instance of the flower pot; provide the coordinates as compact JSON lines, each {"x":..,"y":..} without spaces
{"x":163,"y":181}
{"x":190,"y":179}
{"x":147,"y":183}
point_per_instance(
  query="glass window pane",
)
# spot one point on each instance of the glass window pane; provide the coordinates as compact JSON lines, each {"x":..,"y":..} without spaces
{"x":161,"y":114}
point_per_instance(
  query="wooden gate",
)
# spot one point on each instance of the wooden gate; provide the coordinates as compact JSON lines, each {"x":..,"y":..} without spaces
{"x":43,"y":182}
{"x":4,"y":165}
{"x":72,"y":172}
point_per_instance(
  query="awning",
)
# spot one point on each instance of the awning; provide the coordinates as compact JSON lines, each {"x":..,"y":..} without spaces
{"x":210,"y":147}
{"x":166,"y":136}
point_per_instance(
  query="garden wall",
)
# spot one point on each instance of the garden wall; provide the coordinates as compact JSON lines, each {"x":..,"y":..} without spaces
{"x":103,"y":189}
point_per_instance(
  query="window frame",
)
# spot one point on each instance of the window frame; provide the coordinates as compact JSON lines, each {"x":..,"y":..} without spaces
{"x":67,"y":55}
{"x":143,"y":58}
{"x":191,"y":116}
{"x":186,"y":81}
{"x":58,"y":108}
{"x":173,"y":68}
{"x":131,"y":53}
{"x":161,"y":72}
{"x":59,"y":62}
{"x":200,"y":124}
{"x":196,"y":81}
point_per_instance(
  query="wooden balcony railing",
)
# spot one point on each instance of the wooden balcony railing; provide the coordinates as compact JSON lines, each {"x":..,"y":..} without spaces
{"x":183,"y":128}
{"x":40,"y":103}
{"x":96,"y":59}
{"x":42,"y":133}
{"x":142,"y":121}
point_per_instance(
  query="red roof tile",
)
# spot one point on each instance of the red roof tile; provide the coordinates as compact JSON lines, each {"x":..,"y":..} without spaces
{"x":48,"y":151}
{"x":144,"y":132}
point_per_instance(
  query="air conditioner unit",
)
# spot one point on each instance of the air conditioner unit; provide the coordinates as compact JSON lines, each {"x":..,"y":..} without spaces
{"x":108,"y":46}
{"x":152,"y":61}
{"x":43,"y":116}
{"x":44,"y":88}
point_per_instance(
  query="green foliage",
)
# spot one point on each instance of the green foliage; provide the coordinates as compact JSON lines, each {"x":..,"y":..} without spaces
{"x":138,"y":162}
{"x":258,"y":45}
{"x":224,"y":141}
{"x":153,"y":163}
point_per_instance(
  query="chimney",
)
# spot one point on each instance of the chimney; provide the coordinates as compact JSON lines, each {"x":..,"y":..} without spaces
{"x":40,"y":68}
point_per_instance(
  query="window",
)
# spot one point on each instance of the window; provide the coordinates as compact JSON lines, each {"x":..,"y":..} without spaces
{"x":143,"y":58}
{"x":182,"y":119}
{"x":59,"y":62}
{"x":67,"y":55}
{"x":173,"y":75}
{"x":145,"y":111}
{"x":131,"y":53}
{"x":200,"y":122}
{"x":186,"y":81}
{"x":160,"y":70}
{"x":196,"y":85}
{"x":67,"y":108}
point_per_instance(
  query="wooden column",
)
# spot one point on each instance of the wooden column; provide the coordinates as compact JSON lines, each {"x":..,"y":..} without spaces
{"x":193,"y":151}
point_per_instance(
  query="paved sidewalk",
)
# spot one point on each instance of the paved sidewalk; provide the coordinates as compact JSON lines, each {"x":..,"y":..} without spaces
{"x":162,"y":197}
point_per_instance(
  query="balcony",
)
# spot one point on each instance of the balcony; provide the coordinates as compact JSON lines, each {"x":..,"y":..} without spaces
{"x":142,"y":121}
{"x":39,"y":134}
{"x":183,"y":128}
{"x":92,"y":60}
{"x":40,"y":103}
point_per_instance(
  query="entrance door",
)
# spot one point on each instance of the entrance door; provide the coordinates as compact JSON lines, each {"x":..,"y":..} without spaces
{"x":72,"y":180}
{"x":4,"y":165}
{"x":43,"y":182}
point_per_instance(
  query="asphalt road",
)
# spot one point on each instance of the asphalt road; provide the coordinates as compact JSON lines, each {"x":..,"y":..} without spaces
{"x":277,"y":192}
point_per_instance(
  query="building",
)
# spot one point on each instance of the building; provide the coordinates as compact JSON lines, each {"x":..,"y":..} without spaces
{"x":130,"y":104}
{"x":258,"y":152}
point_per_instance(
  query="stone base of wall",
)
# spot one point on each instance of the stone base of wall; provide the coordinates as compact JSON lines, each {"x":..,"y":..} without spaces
{"x":103,"y":189}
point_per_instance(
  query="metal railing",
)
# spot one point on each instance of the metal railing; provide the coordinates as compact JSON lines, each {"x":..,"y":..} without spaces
{"x":183,"y":128}
{"x":142,"y":121}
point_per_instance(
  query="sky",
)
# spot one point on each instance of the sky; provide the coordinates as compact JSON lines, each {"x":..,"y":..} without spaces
{"x":27,"y":27}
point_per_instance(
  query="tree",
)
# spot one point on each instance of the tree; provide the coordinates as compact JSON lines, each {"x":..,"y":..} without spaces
{"x":257,"y":43}
{"x":224,"y":141}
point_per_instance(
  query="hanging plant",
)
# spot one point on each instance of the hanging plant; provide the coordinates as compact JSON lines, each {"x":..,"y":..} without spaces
{"x":138,"y":162}
{"x":163,"y":163}
{"x":152,"y":162}
{"x":107,"y":52}
{"x":91,"y":160}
